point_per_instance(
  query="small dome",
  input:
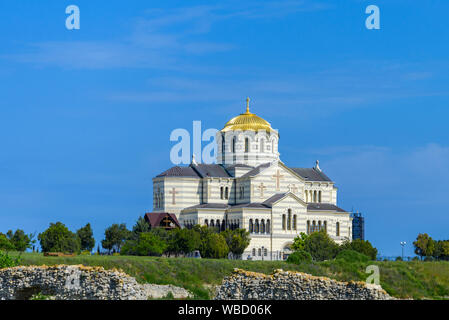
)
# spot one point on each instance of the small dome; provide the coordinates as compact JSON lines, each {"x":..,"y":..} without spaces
{"x":247,"y":121}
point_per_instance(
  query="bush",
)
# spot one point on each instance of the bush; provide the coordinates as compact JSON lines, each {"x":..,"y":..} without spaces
{"x":320,"y":246}
{"x":6,"y":261}
{"x":214,"y":246}
{"x":299,"y":257}
{"x":5,"y":243}
{"x":352,"y":256}
{"x":86,"y":253}
{"x":361,"y":246}
{"x":148,"y":244}
{"x":237,"y":240}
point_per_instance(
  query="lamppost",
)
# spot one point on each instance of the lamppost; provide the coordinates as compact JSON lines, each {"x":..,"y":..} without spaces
{"x":403,"y":243}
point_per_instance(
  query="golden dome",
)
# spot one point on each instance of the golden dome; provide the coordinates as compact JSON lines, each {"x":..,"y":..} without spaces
{"x":247,"y":121}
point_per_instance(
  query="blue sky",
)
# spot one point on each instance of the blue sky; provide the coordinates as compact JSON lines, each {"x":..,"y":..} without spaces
{"x":86,"y":115}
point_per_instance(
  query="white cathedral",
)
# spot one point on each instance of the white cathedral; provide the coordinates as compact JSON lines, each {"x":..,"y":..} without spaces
{"x":250,"y":187}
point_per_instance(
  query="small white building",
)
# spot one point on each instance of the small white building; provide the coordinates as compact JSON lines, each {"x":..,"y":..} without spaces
{"x":251,"y":188}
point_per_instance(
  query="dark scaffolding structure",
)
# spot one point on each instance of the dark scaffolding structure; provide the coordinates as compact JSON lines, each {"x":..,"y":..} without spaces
{"x":358,"y":226}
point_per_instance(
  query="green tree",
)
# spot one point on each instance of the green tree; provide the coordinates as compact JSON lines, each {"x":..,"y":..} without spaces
{"x":115,"y":237}
{"x":321,"y":246}
{"x":213,"y":245}
{"x":441,"y":251}
{"x":20,"y":239}
{"x":58,"y":238}
{"x":424,"y":245}
{"x":148,"y":244}
{"x":86,"y":237}
{"x":140,"y":227}
{"x":184,"y":241}
{"x":361,"y":246}
{"x":5,"y":243}
{"x":299,"y":242}
{"x":237,"y":240}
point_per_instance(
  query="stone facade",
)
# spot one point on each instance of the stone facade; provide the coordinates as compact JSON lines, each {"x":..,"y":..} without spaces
{"x":286,"y":285}
{"x":79,"y":283}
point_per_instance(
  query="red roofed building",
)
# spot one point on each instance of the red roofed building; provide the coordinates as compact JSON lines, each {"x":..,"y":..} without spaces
{"x":163,"y":220}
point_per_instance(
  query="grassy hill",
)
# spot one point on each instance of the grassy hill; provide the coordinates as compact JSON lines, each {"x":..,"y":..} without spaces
{"x":417,"y":280}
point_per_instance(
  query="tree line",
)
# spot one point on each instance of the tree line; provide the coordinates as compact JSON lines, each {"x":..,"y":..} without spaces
{"x":319,"y":246}
{"x":141,"y":240}
{"x":429,"y":249}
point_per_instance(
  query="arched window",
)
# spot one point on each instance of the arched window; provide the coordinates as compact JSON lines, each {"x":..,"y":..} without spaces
{"x":319,"y":196}
{"x":337,"y":229}
{"x":251,"y":226}
{"x":267,"y":229}
{"x":254,"y":252}
{"x":246,"y":145}
{"x":206,"y":222}
{"x":212,"y":223}
{"x":227,"y":193}
{"x":262,"y":226}
{"x":257,"y":226}
{"x":265,"y":252}
{"x":308,"y":226}
{"x":223,"y":145}
{"x":307,"y":195}
{"x":259,"y":252}
{"x":234,"y":139}
{"x":294,"y":222}
{"x":283,"y":222}
{"x":325,"y":226}
{"x":289,"y":219}
{"x":218,"y":225}
{"x":314,"y":196}
{"x":221,"y":193}
{"x":313,"y":226}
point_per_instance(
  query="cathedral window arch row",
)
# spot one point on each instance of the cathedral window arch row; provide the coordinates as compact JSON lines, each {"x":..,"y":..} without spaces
{"x":316,"y":226}
{"x":259,"y":226}
{"x":289,"y":221}
{"x":315,"y":196}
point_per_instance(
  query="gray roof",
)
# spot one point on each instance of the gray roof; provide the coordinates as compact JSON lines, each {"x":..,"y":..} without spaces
{"x":211,"y":170}
{"x":311,"y":174}
{"x":197,"y":171}
{"x":239,"y":165}
{"x":251,"y":205}
{"x":256,"y":170}
{"x":323,"y":207}
{"x":269,"y":202}
{"x":210,"y":206}
{"x":179,"y":172}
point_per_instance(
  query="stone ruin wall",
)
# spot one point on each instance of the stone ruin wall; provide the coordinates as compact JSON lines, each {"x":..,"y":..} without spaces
{"x":286,"y":285}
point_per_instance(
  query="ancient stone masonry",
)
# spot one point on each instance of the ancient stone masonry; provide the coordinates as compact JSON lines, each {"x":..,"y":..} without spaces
{"x":286,"y":285}
{"x":79,"y":283}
